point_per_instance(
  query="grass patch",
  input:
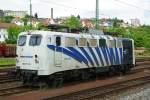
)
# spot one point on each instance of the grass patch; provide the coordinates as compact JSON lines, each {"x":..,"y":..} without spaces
{"x":7,"y":61}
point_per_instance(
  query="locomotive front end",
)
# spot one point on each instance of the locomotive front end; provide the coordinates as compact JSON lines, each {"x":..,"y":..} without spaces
{"x":28,"y":57}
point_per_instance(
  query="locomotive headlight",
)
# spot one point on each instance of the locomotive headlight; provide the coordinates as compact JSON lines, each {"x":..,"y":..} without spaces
{"x":36,"y":61}
{"x":36,"y":56}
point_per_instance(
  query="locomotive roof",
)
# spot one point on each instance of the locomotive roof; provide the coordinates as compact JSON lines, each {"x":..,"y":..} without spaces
{"x":84,"y":35}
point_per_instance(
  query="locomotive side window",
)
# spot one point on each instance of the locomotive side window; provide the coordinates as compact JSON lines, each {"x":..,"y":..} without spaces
{"x":102,"y":42}
{"x":119,"y":43}
{"x":22,"y":40}
{"x":69,"y":41}
{"x":93,"y":42}
{"x":35,"y":40}
{"x":112,"y":43}
{"x":58,"y":41}
{"x":82,"y":42}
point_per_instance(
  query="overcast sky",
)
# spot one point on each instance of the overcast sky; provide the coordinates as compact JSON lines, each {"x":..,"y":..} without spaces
{"x":123,"y":9}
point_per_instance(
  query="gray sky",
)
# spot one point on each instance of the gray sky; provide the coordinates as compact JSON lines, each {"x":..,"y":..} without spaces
{"x":124,"y":9}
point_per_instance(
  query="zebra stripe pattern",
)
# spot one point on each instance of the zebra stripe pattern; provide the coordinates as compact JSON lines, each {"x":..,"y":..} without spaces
{"x":92,"y":56}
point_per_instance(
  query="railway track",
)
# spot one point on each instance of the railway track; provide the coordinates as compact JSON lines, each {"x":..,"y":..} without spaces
{"x":97,"y":92}
{"x":143,"y":59}
{"x":4,"y":71}
{"x":7,"y":65}
{"x":142,"y":65}
{"x":9,"y":80}
{"x":14,"y":90}
{"x":4,"y":78}
{"x":10,"y":85}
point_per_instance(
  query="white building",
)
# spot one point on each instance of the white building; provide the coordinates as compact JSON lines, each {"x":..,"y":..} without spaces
{"x":3,"y":35}
{"x":135,"y":22}
{"x":3,"y":30}
{"x":17,"y":21}
{"x":19,"y":14}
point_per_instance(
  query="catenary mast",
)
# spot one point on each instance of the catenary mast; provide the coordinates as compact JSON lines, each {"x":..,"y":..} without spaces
{"x":97,"y":13}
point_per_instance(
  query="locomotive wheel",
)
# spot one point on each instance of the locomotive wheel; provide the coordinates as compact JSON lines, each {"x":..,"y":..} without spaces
{"x":125,"y":70}
{"x":57,"y":83}
{"x":111,"y":71}
{"x":43,"y":85}
{"x":85,"y":75}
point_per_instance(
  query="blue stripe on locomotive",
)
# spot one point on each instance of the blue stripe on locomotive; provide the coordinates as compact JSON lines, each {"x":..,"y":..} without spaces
{"x":87,"y":55}
{"x":117,"y":56}
{"x":93,"y":54}
{"x":108,"y":53}
{"x":100,"y":56}
{"x":76,"y":52}
{"x":65,"y":51}
{"x":106,"y":56}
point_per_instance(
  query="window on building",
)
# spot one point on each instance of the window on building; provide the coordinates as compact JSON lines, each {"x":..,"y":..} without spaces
{"x":102,"y":42}
{"x":70,"y":41}
{"x":82,"y":42}
{"x":93,"y":42}
{"x":22,"y":40}
{"x":58,"y":41}
{"x":35,"y":40}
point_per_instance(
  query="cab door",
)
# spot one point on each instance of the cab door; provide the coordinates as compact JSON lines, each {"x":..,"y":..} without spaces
{"x":127,"y":52}
{"x":58,"y":52}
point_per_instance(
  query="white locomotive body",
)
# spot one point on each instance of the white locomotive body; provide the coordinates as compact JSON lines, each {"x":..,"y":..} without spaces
{"x":46,"y":54}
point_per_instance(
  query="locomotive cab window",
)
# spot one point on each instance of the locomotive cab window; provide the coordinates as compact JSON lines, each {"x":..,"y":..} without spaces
{"x":102,"y":42}
{"x":22,"y":40}
{"x":58,"y":41}
{"x":35,"y":40}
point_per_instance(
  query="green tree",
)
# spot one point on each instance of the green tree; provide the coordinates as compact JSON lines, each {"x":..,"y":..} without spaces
{"x":25,"y":20}
{"x":40,"y":26}
{"x":7,"y":19}
{"x":78,"y":17}
{"x":36,"y":15}
{"x":13,"y":33}
{"x":73,"y":22}
{"x":117,"y":22}
{"x":28,"y":16}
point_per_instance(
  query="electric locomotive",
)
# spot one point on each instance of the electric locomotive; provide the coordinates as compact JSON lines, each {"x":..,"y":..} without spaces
{"x":47,"y":56}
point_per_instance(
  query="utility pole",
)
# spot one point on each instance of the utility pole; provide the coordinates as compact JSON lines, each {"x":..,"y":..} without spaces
{"x":52,"y":13}
{"x":30,"y":14}
{"x":97,"y":13}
